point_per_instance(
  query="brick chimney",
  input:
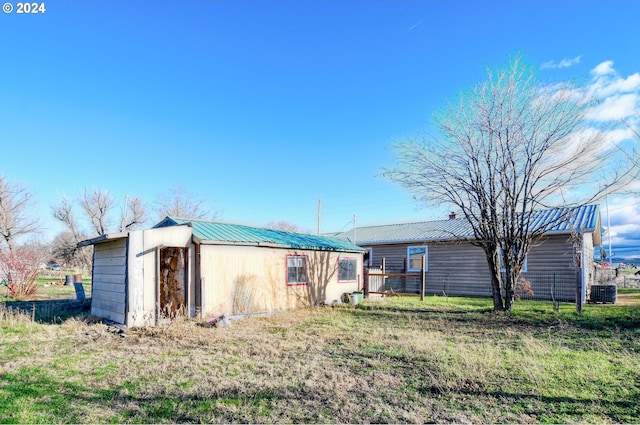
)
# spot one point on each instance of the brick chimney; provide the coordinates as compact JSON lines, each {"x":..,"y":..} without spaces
{"x":452,"y":215}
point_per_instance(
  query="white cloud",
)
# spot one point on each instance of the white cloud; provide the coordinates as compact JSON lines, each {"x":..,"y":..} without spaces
{"x":615,"y":107}
{"x":604,"y":68}
{"x":619,"y":135}
{"x":618,"y":97}
{"x":625,"y":223}
{"x":611,"y":84}
{"x":564,"y":63}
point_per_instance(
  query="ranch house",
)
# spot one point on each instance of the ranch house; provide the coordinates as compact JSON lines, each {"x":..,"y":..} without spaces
{"x":207,"y":269}
{"x":555,"y":267}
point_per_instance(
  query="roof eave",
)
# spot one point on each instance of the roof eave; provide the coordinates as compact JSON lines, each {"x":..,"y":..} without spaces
{"x":277,"y":245}
{"x":102,"y":239}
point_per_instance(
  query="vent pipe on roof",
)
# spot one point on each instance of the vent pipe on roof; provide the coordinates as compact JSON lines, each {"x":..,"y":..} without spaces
{"x":452,"y":215}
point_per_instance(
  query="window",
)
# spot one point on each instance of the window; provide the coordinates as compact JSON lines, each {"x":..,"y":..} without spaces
{"x":368,"y":258}
{"x":347,"y":269}
{"x":524,"y":266}
{"x":415,"y":254}
{"x":296,"y":270}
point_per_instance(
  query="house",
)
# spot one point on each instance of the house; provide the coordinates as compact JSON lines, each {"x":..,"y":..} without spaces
{"x":554,"y":267}
{"x":201,"y":268}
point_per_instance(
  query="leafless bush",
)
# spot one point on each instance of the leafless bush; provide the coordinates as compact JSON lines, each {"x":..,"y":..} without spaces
{"x":244,"y":295}
{"x":19,"y":270}
{"x":523,"y":287}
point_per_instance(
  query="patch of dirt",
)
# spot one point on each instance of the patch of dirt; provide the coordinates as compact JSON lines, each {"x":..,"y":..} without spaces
{"x":628,"y":299}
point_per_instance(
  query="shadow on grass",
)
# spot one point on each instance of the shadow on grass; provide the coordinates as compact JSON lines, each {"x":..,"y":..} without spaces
{"x":555,"y":408}
{"x":31,"y":395}
{"x":50,"y":311}
{"x":535,"y":314}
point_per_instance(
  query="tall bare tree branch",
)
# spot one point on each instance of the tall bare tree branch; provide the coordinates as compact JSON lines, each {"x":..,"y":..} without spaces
{"x":96,"y":206}
{"x":508,"y":147}
{"x":16,"y":204}
{"x":178,"y":202}
{"x":134,"y":214}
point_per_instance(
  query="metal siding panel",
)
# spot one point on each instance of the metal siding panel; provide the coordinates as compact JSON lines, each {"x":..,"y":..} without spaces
{"x":552,"y":254}
{"x":108,"y":287}
{"x":115,"y":297}
{"x":102,"y":286}
{"x":110,"y":270}
{"x":105,"y":278}
{"x":461,"y":257}
{"x":105,"y":311}
{"x":110,"y":261}
{"x":582,"y":218}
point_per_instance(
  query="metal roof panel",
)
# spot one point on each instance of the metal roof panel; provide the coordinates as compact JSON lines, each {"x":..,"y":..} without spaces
{"x":209,"y":231}
{"x":559,"y":220}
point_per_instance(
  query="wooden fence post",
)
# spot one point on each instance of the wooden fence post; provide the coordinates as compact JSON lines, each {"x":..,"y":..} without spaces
{"x":383,"y":264}
{"x":423,"y":278}
{"x":579,"y":291}
{"x":365,"y":283}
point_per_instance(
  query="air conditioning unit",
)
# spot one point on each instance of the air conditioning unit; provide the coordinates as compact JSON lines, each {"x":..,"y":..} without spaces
{"x":607,"y":294}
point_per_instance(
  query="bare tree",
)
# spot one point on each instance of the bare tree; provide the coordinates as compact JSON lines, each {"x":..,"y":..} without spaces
{"x":286,"y":226}
{"x":509,"y":147}
{"x":134,"y":214}
{"x":64,"y":246}
{"x":64,"y":212}
{"x":64,"y":249}
{"x":16,"y":204}
{"x":96,"y":206}
{"x":178,"y":202}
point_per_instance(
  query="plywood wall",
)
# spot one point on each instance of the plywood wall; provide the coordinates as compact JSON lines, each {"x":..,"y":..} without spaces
{"x":249,"y":279}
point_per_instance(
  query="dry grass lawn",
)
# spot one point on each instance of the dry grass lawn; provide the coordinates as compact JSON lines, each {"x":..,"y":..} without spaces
{"x":397,"y":360}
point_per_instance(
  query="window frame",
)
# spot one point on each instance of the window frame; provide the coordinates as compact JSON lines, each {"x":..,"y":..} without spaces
{"x":370,"y":261}
{"x":305,"y":267}
{"x":355,"y":269}
{"x":426,"y":262}
{"x":525,"y":266}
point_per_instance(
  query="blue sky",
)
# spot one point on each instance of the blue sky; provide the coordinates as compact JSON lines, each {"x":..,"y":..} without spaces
{"x":265,"y":107}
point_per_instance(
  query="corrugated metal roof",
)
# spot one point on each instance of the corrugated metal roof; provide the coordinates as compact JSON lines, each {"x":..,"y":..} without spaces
{"x":236,"y":234}
{"x":558,"y":221}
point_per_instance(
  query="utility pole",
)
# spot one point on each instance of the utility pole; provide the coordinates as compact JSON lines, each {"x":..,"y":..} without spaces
{"x":319,"y":213}
{"x":609,"y":232}
{"x":354,"y":229}
{"x":124,"y":213}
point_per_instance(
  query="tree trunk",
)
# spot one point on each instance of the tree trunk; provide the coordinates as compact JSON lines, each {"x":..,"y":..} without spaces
{"x":496,"y":293}
{"x":496,"y":279}
{"x":510,"y":286}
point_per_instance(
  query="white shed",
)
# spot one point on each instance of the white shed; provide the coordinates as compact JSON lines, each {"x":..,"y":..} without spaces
{"x":200,"y":268}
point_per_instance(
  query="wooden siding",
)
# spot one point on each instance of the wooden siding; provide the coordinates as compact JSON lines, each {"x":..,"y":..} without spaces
{"x":459,"y":268}
{"x":553,"y":253}
{"x":108,"y":289}
{"x":124,"y":274}
{"x":441,"y":256}
{"x":249,"y":279}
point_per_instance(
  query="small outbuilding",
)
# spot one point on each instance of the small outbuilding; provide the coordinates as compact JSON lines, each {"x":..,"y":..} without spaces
{"x":201,"y":269}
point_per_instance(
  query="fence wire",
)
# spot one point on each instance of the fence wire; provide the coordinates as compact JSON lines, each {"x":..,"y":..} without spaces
{"x":552,"y":286}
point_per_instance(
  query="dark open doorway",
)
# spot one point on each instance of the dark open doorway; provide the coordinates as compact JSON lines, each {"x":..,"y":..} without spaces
{"x":173,"y":282}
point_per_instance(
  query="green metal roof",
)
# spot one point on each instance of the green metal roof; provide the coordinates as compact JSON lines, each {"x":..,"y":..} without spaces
{"x":236,"y":234}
